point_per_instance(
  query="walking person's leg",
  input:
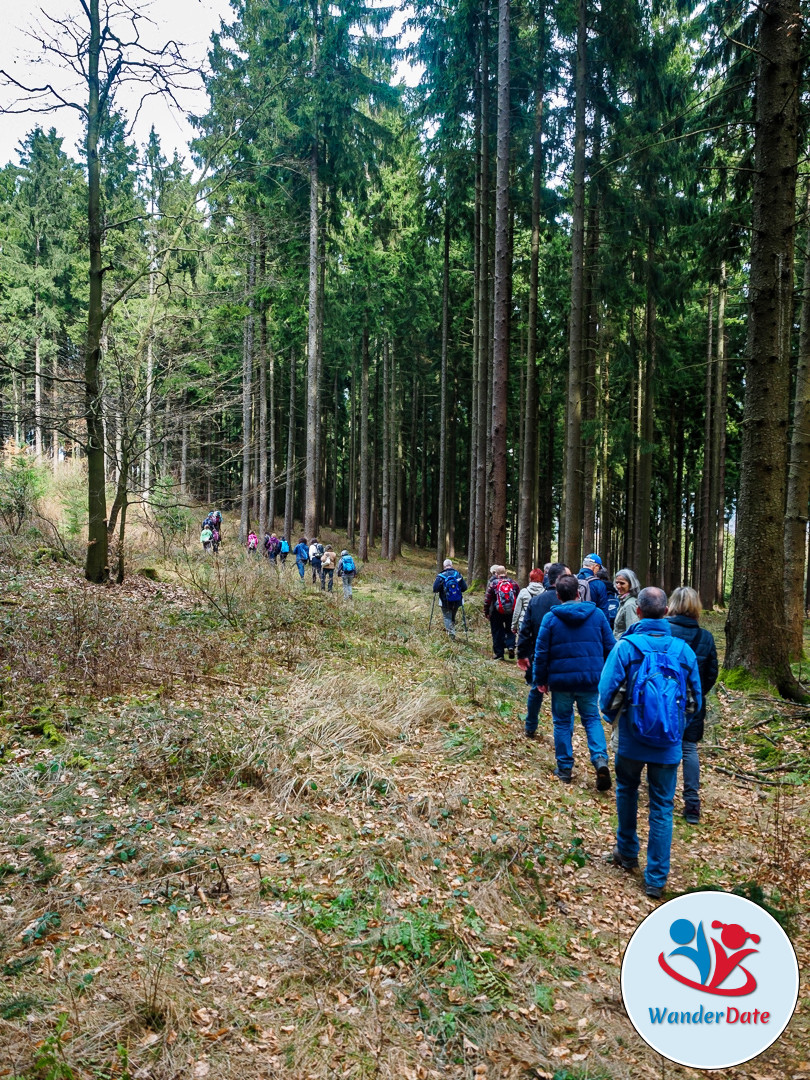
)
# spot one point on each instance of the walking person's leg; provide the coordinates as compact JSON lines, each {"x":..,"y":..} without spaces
{"x":594,"y":732}
{"x":691,"y":782}
{"x":498,"y":623}
{"x":533,"y":703}
{"x":562,"y":714}
{"x":662,"y":781}
{"x":628,"y":777}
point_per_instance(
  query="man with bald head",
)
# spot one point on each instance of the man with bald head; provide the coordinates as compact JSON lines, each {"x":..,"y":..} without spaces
{"x":649,"y":683}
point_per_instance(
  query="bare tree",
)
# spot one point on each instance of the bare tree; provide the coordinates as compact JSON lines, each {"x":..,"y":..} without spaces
{"x":103,"y":48}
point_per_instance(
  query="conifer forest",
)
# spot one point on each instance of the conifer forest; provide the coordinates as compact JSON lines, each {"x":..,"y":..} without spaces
{"x":551,"y":299}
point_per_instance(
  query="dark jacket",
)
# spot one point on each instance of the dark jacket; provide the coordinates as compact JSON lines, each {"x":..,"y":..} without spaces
{"x":440,"y":584}
{"x":616,"y":690}
{"x":573,"y":642}
{"x":704,"y":648}
{"x":490,"y":602}
{"x":539,"y":607}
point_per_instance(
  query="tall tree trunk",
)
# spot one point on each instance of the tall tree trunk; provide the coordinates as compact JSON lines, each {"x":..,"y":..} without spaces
{"x":798,"y":489}
{"x":719,"y":444}
{"x":756,"y":627}
{"x":707,"y":548}
{"x":481,"y":517}
{"x":528,"y":475}
{"x":572,"y":488}
{"x":313,"y":396}
{"x":184,"y":441}
{"x":96,"y":568}
{"x":351,"y":512}
{"x":289,"y":491}
{"x":385,"y":503}
{"x":393,"y":456}
{"x":247,"y":391}
{"x":647,"y":424}
{"x":149,"y":403}
{"x":261,"y":447}
{"x":503,"y":294}
{"x":441,"y":518}
{"x":38,"y":440}
{"x":54,"y":406}
{"x":364,"y":454}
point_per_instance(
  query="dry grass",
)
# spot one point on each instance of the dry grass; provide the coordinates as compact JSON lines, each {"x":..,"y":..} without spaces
{"x":305,"y":839}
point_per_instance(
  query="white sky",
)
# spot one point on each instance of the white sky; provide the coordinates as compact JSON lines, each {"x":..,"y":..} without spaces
{"x":189,"y":22}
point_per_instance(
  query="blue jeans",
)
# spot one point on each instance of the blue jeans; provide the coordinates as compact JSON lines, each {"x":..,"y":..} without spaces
{"x":691,"y":777}
{"x":533,"y":703}
{"x":449,"y":611}
{"x":562,"y":712}
{"x":324,"y":574}
{"x":661,"y":781}
{"x":301,"y":567}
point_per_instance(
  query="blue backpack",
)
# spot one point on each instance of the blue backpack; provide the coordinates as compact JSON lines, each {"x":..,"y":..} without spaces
{"x":452,"y":587}
{"x":285,"y":547}
{"x":659,"y":694}
{"x":347,"y":564}
{"x":613,"y":605}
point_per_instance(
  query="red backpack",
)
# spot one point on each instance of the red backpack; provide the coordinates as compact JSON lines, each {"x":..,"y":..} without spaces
{"x":505,"y":596}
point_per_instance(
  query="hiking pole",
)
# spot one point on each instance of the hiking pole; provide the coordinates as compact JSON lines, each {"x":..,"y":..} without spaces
{"x":464,"y":619}
{"x":432,"y":606}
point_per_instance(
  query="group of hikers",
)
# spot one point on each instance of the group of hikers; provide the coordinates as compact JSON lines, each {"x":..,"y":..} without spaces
{"x":322,"y":559}
{"x":618,"y":652}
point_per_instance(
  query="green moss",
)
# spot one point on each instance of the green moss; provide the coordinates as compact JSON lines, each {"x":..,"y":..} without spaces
{"x":740,"y":679}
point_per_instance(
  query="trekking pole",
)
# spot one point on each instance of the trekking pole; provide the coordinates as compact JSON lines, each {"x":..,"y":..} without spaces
{"x":464,"y":619}
{"x":432,"y":606}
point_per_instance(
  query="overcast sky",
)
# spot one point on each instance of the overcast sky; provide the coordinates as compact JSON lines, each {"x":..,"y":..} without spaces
{"x":189,"y":22}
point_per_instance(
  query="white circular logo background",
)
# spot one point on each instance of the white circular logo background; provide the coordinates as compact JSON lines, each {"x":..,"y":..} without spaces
{"x":710,"y":980}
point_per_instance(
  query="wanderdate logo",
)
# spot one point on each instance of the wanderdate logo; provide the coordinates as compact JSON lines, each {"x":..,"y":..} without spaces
{"x":710,"y":980}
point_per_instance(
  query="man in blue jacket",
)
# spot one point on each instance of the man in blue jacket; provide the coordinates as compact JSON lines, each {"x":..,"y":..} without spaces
{"x":637,"y":684}
{"x":572,"y":644}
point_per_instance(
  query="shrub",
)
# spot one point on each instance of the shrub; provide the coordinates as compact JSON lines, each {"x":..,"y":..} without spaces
{"x":22,"y":483}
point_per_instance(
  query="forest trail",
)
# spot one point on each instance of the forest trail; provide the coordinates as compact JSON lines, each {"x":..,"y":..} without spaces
{"x":251,"y":830}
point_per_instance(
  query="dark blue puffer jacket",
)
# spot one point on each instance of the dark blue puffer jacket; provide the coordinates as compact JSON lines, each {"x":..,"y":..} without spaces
{"x":573,"y":642}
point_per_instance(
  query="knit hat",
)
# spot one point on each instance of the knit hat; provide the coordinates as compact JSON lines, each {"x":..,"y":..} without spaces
{"x":344,"y":552}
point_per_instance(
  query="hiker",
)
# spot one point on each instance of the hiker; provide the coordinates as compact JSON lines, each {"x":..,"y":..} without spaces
{"x":215,"y":539}
{"x":316,"y":550}
{"x":627,"y":588}
{"x":534,"y":588}
{"x":649,"y":685}
{"x":450,"y":586}
{"x":499,"y":604}
{"x":537,"y":609}
{"x":611,"y":609}
{"x":684,"y":612}
{"x":572,"y":645}
{"x":252,"y":542}
{"x":348,"y":571}
{"x":301,"y":552}
{"x":206,"y":537}
{"x":591,"y":587}
{"x":283,"y":550}
{"x":328,"y":562}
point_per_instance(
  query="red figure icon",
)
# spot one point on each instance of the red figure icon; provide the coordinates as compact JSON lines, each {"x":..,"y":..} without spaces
{"x":733,"y":936}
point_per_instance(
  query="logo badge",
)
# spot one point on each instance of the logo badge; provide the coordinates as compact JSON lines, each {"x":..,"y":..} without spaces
{"x":710,"y":980}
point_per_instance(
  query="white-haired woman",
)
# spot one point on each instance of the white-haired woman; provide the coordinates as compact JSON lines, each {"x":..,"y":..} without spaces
{"x":628,"y":587}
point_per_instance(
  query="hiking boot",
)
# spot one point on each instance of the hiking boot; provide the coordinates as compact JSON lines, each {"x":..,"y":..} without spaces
{"x":602,"y":774}
{"x":691,"y":817}
{"x":495,"y":656}
{"x":563,"y":776}
{"x":530,"y":734}
{"x":622,"y":860}
{"x":511,"y":654}
{"x":655,"y":892}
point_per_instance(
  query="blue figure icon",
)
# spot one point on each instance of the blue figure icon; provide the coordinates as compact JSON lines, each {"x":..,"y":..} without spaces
{"x":682,"y":932}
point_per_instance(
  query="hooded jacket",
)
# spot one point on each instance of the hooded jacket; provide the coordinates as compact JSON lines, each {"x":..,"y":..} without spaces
{"x":524,"y":598}
{"x":626,"y":616}
{"x":702,"y":644}
{"x":574,"y":640}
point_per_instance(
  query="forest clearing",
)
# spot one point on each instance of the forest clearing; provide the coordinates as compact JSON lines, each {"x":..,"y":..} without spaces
{"x":252,"y":829}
